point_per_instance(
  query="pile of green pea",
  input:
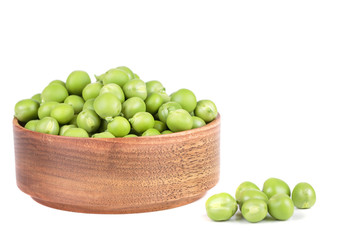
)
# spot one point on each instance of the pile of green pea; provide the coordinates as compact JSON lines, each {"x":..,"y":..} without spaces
{"x":255,"y":204}
{"x":118,"y":104}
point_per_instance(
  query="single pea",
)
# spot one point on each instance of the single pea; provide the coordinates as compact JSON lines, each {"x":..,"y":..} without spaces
{"x":88,"y":120}
{"x":76,"y":82}
{"x":99,"y":78}
{"x":206,"y":110}
{"x":128,"y":70}
{"x":197,"y":122}
{"x":76,"y":132}
{"x":179,"y":120}
{"x":274,"y":186}
{"x":247,"y":194}
{"x":37,"y":98}
{"x":54,"y":93}
{"x":166,"y":108}
{"x":47,"y":125}
{"x":107,"y":106}
{"x":119,"y":127}
{"x":160,"y":126}
{"x":117,"y":76}
{"x":89,"y":104}
{"x":154,"y":86}
{"x":303,"y":195}
{"x":142,"y":121}
{"x":91,"y":90}
{"x":280,"y":206}
{"x":254,"y":210}
{"x":132,"y":106}
{"x":114,"y":89}
{"x":103,"y":135}
{"x":243,"y":186}
{"x":64,"y":128}
{"x":31,"y":125}
{"x":73,"y":121}
{"x":135,"y":88}
{"x":185,"y":98}
{"x":153,"y":103}
{"x":166,"y":132}
{"x":221,"y":207}
{"x":76,"y":102}
{"x":46,"y":108}
{"x":26,"y":110}
{"x":63,"y":113}
{"x":136,"y":76}
{"x":58,"y":82}
{"x":130,"y":135}
{"x":151,"y":132}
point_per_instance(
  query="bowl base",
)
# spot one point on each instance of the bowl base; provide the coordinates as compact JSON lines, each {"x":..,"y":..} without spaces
{"x":120,"y":210}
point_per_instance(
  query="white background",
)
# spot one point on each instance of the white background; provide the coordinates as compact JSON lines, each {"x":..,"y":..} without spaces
{"x":284,"y":75}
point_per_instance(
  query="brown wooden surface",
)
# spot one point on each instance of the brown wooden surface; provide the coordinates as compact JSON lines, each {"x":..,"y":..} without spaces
{"x":117,"y":175}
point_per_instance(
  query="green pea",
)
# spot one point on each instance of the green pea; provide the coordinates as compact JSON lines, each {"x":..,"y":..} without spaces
{"x":128,"y":71}
{"x":254,"y":210}
{"x":58,"y":82}
{"x":91,"y":90}
{"x":206,"y":110}
{"x":88,"y":120}
{"x":76,"y":132}
{"x":247,"y":194}
{"x":76,"y":82}
{"x":31,"y":125}
{"x":26,"y":110}
{"x":46,"y":108}
{"x":132,"y":106}
{"x":221,"y":207}
{"x":103,"y":135}
{"x":47,"y":125}
{"x":37,"y":98}
{"x":243,"y":186}
{"x":166,"y":108}
{"x":64,"y":128}
{"x":119,"y":127}
{"x":89,"y":104}
{"x":280,"y":206}
{"x":185,"y":98}
{"x":76,"y":102}
{"x":63,"y":113}
{"x":107,"y":106}
{"x":154,"y":86}
{"x":153,"y":103}
{"x":274,"y":186}
{"x":179,"y":120}
{"x":130,"y":135}
{"x":135,"y":88}
{"x":160,"y":126}
{"x":303,"y":195}
{"x":197,"y":122}
{"x":151,"y":132}
{"x":54,"y":93}
{"x":73,"y":121}
{"x":136,"y":76}
{"x":114,"y":89}
{"x":117,"y":76}
{"x":142,"y":121}
{"x":166,"y":132}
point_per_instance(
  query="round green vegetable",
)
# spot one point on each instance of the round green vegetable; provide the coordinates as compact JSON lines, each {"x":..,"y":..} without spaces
{"x":130,"y":135}
{"x":185,"y":98}
{"x":64,"y":128}
{"x":48,"y":125}
{"x":142,"y":121}
{"x":76,"y":132}
{"x":133,"y":105}
{"x":119,"y":127}
{"x":151,"y":132}
{"x":274,"y":186}
{"x":166,"y":132}
{"x":249,"y":193}
{"x":63,"y":113}
{"x":128,"y":70}
{"x":153,"y":103}
{"x":303,"y":195}
{"x":254,"y":210}
{"x":179,"y":120}
{"x":91,"y":90}
{"x":154,"y":86}
{"x":62,"y":83}
{"x":107,"y":106}
{"x":46,"y":108}
{"x":26,"y":110}
{"x":135,"y":88}
{"x":206,"y":110}
{"x":160,"y":126}
{"x":243,"y":186}
{"x":88,"y":120}
{"x":280,"y":206}
{"x":54,"y":93}
{"x":37,"y":98}
{"x":76,"y":102}
{"x":221,"y":207}
{"x":114,"y":89}
{"x":89,"y":104}
{"x":77,"y":81}
{"x":103,"y":135}
{"x":117,"y":76}
{"x":197,"y":122}
{"x":31,"y":125}
{"x":166,"y":108}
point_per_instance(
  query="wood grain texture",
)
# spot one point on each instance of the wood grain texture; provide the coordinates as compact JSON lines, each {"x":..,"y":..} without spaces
{"x":117,"y":175}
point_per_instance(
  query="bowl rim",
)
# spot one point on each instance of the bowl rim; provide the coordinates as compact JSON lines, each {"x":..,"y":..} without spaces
{"x":213,"y":124}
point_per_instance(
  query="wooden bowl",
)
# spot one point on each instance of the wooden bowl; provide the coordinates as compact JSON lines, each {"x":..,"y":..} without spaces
{"x":117,"y":175}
